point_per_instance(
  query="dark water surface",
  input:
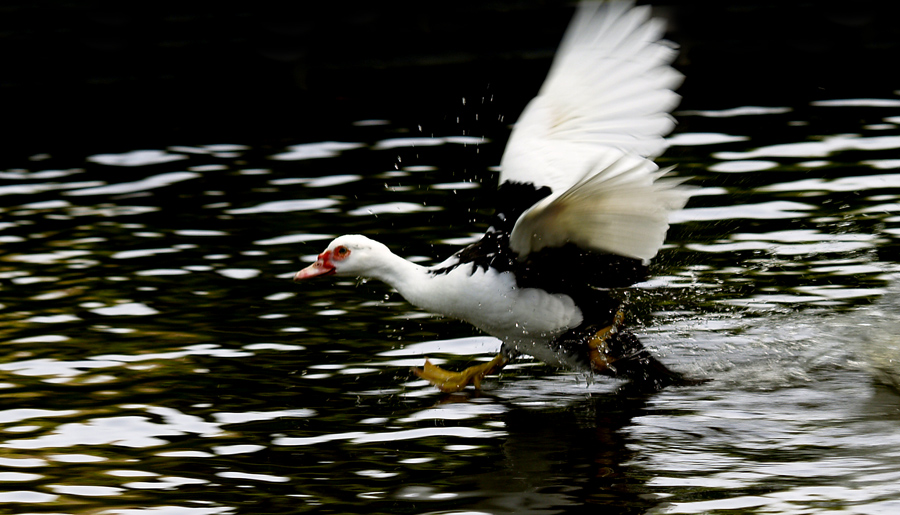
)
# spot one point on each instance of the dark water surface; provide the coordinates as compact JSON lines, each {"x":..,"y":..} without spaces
{"x":156,"y":357}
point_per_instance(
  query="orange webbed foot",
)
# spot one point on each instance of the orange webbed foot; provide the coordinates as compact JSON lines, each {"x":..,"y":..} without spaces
{"x":449,"y":382}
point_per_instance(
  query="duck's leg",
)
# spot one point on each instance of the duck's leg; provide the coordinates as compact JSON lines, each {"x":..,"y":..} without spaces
{"x":616,"y":351}
{"x":600,"y":354}
{"x":449,"y":382}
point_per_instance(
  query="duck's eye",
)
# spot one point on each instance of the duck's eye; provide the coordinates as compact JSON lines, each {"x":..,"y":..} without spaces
{"x":341,"y":252}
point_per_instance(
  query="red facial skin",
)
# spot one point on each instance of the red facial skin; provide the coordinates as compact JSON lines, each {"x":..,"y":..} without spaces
{"x":324,"y":265}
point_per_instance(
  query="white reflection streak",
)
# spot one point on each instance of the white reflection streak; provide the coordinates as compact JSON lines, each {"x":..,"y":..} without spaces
{"x":172,"y":510}
{"x":392,"y":207}
{"x":166,"y":483}
{"x":20,"y":414}
{"x":823,"y":148}
{"x":858,"y":102}
{"x":154,"y":182}
{"x":125,"y":431}
{"x":882,"y":164}
{"x":86,"y":490}
{"x":63,"y":369}
{"x":387,"y":144}
{"x":25,"y":189}
{"x":126,"y":309}
{"x":130,"y":254}
{"x":22,"y":462}
{"x":294,"y":238}
{"x":254,"y":477}
{"x":194,"y":350}
{"x":466,"y":346}
{"x":865,"y":182}
{"x":742,"y":166}
{"x":802,"y":236}
{"x":254,"y":416}
{"x":736,"y":111}
{"x":315,"y":150}
{"x":457,"y":411}
{"x":690,"y":139}
{"x":239,"y":273}
{"x":462,"y":241}
{"x":25,"y":496}
{"x":781,"y":249}
{"x":54,"y":368}
{"x":43,"y":174}
{"x":141,"y":431}
{"x":332,"y":180}
{"x":48,"y":258}
{"x":357,"y":437}
{"x":764,"y":211}
{"x":285,"y":206}
{"x":136,"y":158}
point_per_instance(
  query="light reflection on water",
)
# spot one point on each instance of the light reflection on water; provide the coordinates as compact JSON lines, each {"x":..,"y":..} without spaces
{"x":157,"y":356}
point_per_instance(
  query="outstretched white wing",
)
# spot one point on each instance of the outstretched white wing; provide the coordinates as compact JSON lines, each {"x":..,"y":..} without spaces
{"x":609,"y":88}
{"x":601,"y":113}
{"x":622,"y":210}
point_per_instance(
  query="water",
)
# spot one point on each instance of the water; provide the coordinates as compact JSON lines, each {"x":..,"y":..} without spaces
{"x":158,"y":359}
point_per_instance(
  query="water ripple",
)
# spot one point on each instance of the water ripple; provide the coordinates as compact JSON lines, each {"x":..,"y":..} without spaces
{"x":158,"y":357}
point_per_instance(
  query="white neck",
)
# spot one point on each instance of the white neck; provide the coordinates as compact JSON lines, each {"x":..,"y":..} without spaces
{"x":444,"y":294}
{"x":408,"y":278}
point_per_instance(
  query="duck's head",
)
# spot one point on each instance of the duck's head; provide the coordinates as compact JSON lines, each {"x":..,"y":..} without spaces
{"x":351,"y":254}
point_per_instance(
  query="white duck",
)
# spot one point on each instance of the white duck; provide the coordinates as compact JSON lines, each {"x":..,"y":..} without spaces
{"x":580,"y":207}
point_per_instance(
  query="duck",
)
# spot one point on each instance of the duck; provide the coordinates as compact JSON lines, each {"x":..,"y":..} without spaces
{"x":580,"y":210}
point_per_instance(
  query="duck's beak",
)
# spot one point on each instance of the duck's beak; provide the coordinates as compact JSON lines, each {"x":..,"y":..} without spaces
{"x":322,"y":266}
